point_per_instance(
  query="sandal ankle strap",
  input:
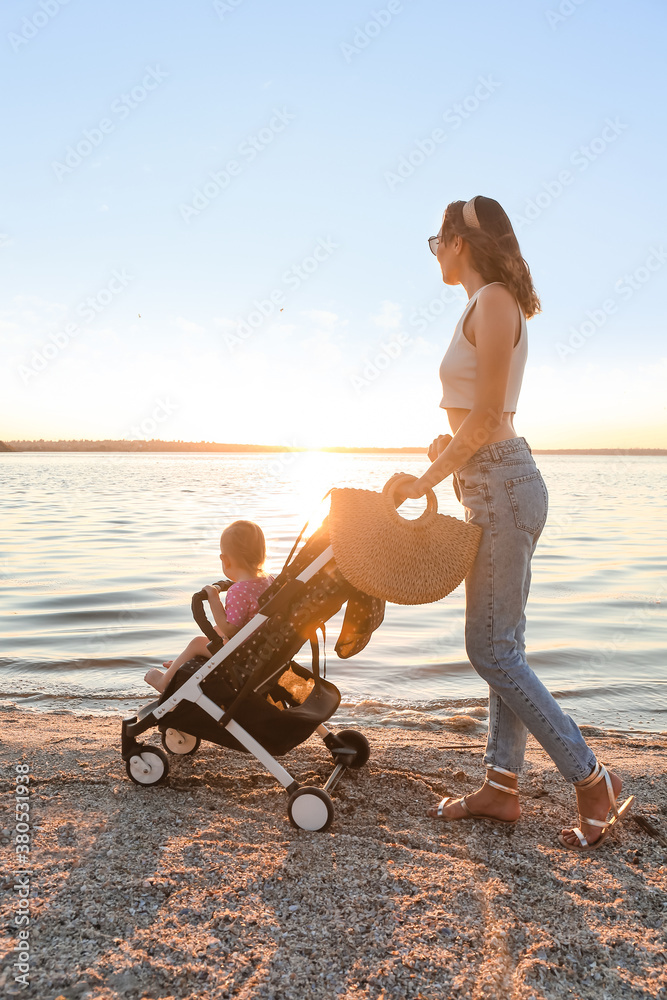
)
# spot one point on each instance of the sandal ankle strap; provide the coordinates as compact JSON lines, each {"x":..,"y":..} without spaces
{"x":597,"y":774}
{"x":501,"y":788}
{"x":500,"y":770}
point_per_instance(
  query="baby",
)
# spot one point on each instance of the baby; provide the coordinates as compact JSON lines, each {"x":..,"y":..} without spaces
{"x":242,"y":552}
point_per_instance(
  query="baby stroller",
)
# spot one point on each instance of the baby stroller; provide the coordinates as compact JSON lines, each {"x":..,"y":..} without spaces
{"x":252,"y":696}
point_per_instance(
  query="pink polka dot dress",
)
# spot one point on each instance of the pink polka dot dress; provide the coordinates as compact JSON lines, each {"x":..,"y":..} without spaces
{"x":241,"y":600}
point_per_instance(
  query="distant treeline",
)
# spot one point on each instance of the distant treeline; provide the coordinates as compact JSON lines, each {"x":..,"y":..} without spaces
{"x":599,"y":451}
{"x":154,"y":445}
{"x":125,"y":445}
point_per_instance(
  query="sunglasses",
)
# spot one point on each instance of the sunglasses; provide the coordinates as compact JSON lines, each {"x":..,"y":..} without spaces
{"x":433,"y":242}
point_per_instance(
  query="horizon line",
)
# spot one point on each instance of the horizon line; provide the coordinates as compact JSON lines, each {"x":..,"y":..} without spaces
{"x":159,"y":444}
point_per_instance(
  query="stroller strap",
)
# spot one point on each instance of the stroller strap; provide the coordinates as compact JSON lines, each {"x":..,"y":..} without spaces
{"x":315,"y":648}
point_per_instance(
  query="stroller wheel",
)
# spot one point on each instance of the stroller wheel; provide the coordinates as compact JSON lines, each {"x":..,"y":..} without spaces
{"x":356,"y":741}
{"x":174,"y":741}
{"x":310,"y":808}
{"x":148,"y":766}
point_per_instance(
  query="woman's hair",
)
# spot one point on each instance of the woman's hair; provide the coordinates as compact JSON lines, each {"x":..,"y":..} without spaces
{"x":494,"y":248}
{"x":244,"y":542}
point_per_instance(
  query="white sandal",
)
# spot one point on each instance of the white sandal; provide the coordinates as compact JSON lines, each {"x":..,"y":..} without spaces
{"x":449,"y":799}
{"x":599,"y":772}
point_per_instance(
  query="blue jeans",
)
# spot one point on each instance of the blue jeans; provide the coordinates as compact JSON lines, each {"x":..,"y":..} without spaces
{"x":504,"y":493}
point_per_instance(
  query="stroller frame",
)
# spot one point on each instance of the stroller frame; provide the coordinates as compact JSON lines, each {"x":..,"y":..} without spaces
{"x":309,"y":806}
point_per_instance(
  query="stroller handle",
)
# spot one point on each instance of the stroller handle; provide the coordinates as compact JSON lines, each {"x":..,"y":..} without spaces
{"x":198,"y":612}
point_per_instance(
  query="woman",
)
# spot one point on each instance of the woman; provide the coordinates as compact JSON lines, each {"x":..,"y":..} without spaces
{"x":496,"y":479}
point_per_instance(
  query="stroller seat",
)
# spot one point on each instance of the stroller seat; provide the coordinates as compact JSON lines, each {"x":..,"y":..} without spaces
{"x":282,"y":718}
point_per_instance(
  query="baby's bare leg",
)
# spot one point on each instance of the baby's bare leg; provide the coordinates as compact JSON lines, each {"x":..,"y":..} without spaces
{"x":160,"y":679}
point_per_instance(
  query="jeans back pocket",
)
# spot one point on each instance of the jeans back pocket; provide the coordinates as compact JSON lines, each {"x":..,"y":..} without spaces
{"x":530,"y":501}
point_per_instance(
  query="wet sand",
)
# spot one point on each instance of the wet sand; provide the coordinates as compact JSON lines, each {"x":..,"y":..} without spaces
{"x":202,"y":889}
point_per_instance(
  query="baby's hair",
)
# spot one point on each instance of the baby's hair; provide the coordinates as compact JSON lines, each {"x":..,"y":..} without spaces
{"x":244,"y":542}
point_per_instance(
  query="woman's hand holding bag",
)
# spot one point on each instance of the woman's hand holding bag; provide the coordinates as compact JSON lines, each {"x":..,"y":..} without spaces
{"x":387,"y":556}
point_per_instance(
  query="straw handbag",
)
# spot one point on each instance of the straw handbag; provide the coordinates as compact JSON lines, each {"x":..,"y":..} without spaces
{"x":387,"y":556}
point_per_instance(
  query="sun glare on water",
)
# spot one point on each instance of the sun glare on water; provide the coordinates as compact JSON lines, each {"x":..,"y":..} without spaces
{"x":312,"y":477}
{"x":313,"y":474}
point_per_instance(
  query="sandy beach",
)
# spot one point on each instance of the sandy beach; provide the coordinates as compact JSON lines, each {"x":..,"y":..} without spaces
{"x":202,"y":889}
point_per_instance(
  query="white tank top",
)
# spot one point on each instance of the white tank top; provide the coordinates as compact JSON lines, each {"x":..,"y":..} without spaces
{"x":459,"y":365}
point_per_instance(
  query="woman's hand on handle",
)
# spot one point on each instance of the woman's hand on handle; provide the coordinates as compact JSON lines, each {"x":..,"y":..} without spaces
{"x":412,"y":488}
{"x":437,"y":446}
{"x":406,"y":490}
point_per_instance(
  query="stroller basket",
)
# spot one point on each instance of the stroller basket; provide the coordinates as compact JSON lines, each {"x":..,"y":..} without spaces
{"x":252,"y":696}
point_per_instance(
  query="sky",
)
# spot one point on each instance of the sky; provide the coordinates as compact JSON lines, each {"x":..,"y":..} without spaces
{"x":216,"y":215}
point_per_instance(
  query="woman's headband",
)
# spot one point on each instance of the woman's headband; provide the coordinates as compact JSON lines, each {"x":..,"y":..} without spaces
{"x":470,"y":215}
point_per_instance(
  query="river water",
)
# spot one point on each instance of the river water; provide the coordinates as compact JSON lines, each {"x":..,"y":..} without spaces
{"x":102,"y":552}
